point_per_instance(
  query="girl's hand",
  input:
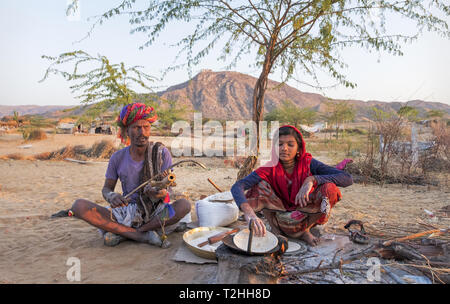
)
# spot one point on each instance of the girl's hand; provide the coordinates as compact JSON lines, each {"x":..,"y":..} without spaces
{"x":258,"y":225}
{"x":302,"y":198}
{"x":259,"y":228}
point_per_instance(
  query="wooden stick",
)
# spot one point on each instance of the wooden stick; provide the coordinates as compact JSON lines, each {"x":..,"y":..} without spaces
{"x":318,"y":266}
{"x":218,"y":237}
{"x":250,"y":236}
{"x":83,"y":162}
{"x":434,"y":264}
{"x":215,"y":186}
{"x":169,"y":180}
{"x":338,"y":265}
{"x":433,"y":271}
{"x":335,"y":254}
{"x":426,"y":225}
{"x":165,"y":172}
{"x":414,"y":236}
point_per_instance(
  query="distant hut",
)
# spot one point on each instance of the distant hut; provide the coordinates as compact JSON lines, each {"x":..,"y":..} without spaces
{"x":103,"y":125}
{"x":65,"y":128}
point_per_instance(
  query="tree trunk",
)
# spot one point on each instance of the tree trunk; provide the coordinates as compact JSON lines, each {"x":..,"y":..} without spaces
{"x":258,"y":104}
{"x":258,"y":110}
{"x":258,"y":115}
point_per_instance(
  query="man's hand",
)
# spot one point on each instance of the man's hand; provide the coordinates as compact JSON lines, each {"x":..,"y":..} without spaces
{"x":155,"y":192}
{"x":302,"y":198}
{"x":116,"y":200}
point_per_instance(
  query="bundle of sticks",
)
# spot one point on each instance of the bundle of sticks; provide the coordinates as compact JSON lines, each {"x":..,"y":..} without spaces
{"x":434,"y":264}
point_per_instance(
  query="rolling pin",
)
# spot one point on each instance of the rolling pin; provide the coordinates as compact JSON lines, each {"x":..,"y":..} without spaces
{"x":218,"y":237}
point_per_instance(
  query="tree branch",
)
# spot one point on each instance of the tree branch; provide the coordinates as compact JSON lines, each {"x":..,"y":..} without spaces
{"x":245,"y":19}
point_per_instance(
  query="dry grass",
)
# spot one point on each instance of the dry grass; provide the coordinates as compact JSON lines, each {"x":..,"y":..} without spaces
{"x":16,"y":156}
{"x":337,"y":150}
{"x":99,"y":150}
{"x":43,"y":156}
{"x":103,"y":149}
{"x":66,"y":152}
{"x":36,"y":134}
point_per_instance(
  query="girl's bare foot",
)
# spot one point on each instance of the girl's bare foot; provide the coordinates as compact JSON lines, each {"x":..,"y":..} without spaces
{"x":309,"y":238}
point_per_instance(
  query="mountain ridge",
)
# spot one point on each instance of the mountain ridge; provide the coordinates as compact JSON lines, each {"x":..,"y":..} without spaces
{"x":228,"y":95}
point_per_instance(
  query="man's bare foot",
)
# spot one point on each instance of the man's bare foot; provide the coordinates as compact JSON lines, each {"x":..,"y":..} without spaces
{"x":110,"y":239}
{"x":153,"y":238}
{"x":309,"y":238}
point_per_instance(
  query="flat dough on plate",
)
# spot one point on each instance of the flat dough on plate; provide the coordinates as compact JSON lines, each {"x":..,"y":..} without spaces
{"x":221,"y":197}
{"x":293,"y":246}
{"x":259,"y":244}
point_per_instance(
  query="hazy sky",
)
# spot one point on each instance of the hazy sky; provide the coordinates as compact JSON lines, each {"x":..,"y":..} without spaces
{"x":34,"y":28}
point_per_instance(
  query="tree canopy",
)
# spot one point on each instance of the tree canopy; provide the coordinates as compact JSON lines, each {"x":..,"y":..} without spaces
{"x":339,"y":113}
{"x":284,"y":35}
{"x":435,"y":113}
{"x":105,"y":83}
{"x":107,"y":86}
{"x":408,"y":112}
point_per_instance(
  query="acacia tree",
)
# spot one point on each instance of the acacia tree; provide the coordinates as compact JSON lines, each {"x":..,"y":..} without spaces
{"x":33,"y":129}
{"x":170,"y":113}
{"x":106,"y":84}
{"x":339,"y":113}
{"x":284,"y":35}
{"x":389,"y":126}
{"x":408,"y":112}
{"x":16,"y":117}
{"x":435,"y":114}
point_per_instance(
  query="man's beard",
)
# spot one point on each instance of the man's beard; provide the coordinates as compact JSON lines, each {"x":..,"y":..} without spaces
{"x":140,"y":143}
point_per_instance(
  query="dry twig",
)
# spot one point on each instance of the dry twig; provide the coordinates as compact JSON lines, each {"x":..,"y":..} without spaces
{"x":214,"y":185}
{"x":414,"y":236}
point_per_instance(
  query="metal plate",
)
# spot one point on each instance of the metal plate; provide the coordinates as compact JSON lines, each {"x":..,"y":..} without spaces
{"x":224,"y":197}
{"x":195,"y":236}
{"x":301,"y":249}
{"x":259,"y":244}
{"x":228,"y":241}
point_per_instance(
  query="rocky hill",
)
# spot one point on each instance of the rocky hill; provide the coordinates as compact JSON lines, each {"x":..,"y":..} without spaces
{"x":228,"y":95}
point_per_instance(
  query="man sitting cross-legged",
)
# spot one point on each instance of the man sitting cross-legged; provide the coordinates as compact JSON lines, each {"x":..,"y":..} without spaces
{"x":140,"y":216}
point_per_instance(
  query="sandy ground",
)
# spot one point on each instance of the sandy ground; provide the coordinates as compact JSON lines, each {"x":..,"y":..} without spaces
{"x":35,"y":248}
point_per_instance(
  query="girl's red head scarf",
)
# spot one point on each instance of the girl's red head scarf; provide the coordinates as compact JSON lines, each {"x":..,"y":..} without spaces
{"x":131,"y":113}
{"x":274,"y":173}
